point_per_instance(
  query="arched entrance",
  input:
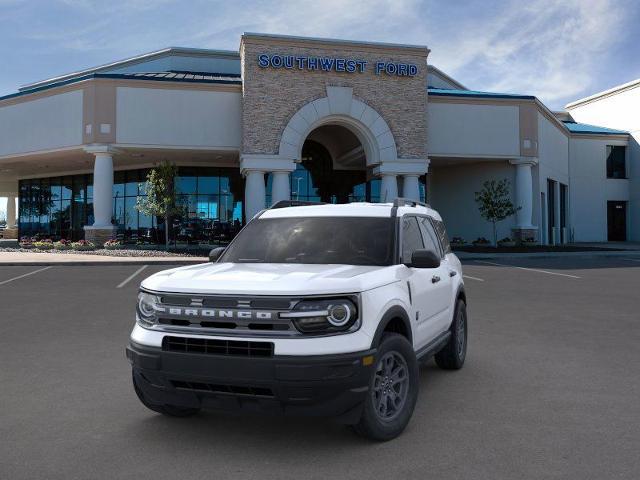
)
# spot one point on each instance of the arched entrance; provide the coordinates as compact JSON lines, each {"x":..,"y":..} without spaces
{"x":333,"y":168}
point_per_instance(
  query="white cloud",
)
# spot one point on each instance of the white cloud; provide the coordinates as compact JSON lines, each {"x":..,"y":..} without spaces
{"x":546,"y":48}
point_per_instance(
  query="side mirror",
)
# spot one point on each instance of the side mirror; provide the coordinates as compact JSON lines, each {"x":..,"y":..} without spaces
{"x":214,"y":254}
{"x":424,"y":259}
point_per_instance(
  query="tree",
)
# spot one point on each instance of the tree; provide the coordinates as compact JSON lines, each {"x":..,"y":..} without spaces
{"x":161,"y":199}
{"x":494,"y":203}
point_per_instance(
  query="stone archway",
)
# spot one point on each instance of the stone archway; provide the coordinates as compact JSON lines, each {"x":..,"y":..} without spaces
{"x":339,"y":107}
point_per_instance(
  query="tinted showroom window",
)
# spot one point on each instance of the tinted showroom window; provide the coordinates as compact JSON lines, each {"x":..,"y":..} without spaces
{"x":616,"y":167}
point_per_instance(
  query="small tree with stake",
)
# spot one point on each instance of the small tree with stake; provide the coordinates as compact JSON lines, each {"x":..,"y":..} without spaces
{"x":494,"y":203}
{"x":161,"y":200}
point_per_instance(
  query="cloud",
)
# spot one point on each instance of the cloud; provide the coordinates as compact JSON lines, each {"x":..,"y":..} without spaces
{"x":557,"y":50}
{"x":547,"y":48}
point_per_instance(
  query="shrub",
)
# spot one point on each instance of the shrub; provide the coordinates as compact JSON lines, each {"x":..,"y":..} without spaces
{"x":62,"y":245}
{"x":481,"y":241}
{"x":26,"y":242}
{"x":112,"y":244}
{"x":83,"y":245}
{"x":457,"y":241}
{"x":46,"y":244}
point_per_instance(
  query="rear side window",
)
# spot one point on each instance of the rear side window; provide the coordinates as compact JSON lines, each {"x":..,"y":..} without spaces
{"x":430,"y":237}
{"x":411,"y":238}
{"x":442,"y":235}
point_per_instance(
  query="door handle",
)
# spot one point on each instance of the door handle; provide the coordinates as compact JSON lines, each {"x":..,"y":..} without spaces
{"x":452,"y":273}
{"x":435,"y":279}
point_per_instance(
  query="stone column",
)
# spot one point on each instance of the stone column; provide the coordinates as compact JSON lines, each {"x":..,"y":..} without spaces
{"x":11,"y":212}
{"x":388,"y":188}
{"x":11,"y":232}
{"x":102,"y":228}
{"x":254,"y":193}
{"x":524,"y":198}
{"x":411,"y":187}
{"x":280,"y":189}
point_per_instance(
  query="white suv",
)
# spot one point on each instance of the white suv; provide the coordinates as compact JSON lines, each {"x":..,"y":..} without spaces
{"x":312,"y":310}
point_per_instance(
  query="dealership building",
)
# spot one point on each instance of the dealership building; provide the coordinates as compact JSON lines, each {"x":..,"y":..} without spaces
{"x":309,"y":119}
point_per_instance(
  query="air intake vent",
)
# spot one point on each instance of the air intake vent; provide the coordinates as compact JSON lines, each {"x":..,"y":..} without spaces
{"x":217,"y":347}
{"x":228,"y":389}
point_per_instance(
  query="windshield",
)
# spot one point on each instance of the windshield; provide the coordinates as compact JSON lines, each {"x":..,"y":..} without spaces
{"x":343,"y":240}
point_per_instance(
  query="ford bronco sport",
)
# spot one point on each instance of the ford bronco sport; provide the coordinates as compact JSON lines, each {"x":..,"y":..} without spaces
{"x":320,"y":309}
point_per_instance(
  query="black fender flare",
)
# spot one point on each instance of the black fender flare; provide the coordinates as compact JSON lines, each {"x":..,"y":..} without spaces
{"x":394,"y":312}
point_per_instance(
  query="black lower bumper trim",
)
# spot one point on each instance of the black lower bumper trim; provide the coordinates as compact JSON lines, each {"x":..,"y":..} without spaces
{"x":325,"y":385}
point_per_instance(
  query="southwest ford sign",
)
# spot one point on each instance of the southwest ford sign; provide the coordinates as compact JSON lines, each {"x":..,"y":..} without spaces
{"x":334,"y":64}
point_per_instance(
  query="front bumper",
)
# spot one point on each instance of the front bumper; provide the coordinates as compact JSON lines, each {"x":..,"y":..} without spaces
{"x":322,"y":385}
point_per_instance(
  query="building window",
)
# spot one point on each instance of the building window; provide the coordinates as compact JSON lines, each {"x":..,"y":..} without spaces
{"x":616,"y":161}
{"x":211,"y":199}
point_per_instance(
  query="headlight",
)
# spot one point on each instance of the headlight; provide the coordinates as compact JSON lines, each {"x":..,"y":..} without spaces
{"x":146,"y":308}
{"x":324,"y":316}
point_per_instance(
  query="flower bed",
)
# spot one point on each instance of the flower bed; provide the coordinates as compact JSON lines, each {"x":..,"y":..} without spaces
{"x":83,"y":245}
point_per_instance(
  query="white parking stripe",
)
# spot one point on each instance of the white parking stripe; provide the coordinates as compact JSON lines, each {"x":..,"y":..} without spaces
{"x":132,"y":276}
{"x":529,"y":269}
{"x":473,"y":278}
{"x":25,"y":275}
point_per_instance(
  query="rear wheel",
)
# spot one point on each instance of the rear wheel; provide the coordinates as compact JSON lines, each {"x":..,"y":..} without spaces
{"x":169,"y":410}
{"x":393,"y":390}
{"x":452,"y":356}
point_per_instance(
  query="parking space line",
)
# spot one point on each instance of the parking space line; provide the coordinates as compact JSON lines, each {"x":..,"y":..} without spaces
{"x":473,"y":278}
{"x":132,"y":276}
{"x":25,"y":275}
{"x":529,"y":269}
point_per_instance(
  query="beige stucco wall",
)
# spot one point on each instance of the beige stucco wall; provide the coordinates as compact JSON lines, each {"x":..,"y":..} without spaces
{"x":272,"y":96}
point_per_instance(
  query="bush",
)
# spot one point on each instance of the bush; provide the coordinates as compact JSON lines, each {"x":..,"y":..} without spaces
{"x":83,"y":245}
{"x":43,"y":244}
{"x":457,"y":241}
{"x":112,"y":244}
{"x":62,"y":245}
{"x":26,"y":242}
{"x":481,"y":241}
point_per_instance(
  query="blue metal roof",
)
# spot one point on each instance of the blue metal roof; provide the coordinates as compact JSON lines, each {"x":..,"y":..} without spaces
{"x":575,"y":127}
{"x":444,"y":92}
{"x":188,"y":77}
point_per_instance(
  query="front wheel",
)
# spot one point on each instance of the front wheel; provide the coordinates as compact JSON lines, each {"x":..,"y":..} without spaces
{"x":452,"y":356}
{"x":393,"y":390}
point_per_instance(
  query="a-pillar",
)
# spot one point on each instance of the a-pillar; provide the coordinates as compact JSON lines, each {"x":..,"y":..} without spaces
{"x":524,"y":228}
{"x":102,"y":228}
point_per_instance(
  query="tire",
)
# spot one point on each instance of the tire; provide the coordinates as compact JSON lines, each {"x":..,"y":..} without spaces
{"x":385,"y":415}
{"x":169,"y":410}
{"x":452,"y":356}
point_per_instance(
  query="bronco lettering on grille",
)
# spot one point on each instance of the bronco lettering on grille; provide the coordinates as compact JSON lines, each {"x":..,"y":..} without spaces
{"x":215,"y":313}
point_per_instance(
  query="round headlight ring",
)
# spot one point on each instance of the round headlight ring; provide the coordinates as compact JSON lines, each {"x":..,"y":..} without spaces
{"x":146,"y":303}
{"x":339,"y":314}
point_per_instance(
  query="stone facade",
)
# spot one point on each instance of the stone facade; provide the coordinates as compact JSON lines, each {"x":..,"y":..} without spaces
{"x":272,"y":96}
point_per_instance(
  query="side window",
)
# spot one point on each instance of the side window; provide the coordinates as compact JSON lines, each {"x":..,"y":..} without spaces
{"x":442,"y":234}
{"x":411,"y":238}
{"x":430,"y":237}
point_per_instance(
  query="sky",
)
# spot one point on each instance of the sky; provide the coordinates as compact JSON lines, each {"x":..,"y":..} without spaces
{"x":557,"y":50}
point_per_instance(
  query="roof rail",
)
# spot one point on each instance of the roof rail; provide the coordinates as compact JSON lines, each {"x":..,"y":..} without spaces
{"x":404,"y":202}
{"x":294,"y":203}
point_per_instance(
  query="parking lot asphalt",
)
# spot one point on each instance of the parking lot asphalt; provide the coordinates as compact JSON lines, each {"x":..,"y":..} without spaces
{"x":550,"y":389}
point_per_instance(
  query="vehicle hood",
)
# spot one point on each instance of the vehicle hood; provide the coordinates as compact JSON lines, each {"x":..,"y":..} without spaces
{"x":270,"y":279}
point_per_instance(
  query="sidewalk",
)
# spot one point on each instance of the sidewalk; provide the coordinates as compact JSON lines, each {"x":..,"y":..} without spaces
{"x":594,"y":253}
{"x":37,"y":259}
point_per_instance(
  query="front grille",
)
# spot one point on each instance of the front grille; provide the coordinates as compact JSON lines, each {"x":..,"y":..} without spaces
{"x":217,"y":347}
{"x":225,"y":389}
